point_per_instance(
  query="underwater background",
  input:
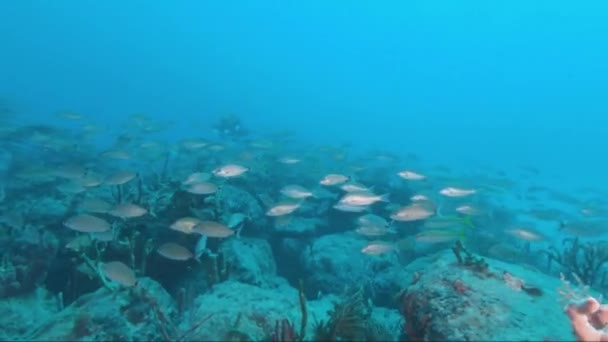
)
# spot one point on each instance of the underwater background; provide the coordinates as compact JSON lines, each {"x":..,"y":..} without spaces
{"x":221,"y":170}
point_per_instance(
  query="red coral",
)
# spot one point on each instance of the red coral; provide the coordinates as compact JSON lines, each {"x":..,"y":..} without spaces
{"x":284,"y":331}
{"x":416,"y":323}
{"x":460,"y":287}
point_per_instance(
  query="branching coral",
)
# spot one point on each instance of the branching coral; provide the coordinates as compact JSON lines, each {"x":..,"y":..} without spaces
{"x":348,"y":321}
{"x":284,"y":330}
{"x":582,"y":259}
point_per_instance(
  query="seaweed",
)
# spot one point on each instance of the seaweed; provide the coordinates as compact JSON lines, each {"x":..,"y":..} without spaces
{"x":303,"y":310}
{"x":348,"y":321}
{"x":284,"y":330}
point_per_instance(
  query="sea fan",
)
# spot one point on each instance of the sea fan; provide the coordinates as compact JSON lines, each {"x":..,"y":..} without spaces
{"x":347,"y":321}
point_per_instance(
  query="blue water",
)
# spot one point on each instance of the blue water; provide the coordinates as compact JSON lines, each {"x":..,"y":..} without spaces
{"x":484,"y":88}
{"x":500,"y":83}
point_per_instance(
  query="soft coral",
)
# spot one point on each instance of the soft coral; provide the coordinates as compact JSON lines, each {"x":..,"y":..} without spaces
{"x":416,"y":322}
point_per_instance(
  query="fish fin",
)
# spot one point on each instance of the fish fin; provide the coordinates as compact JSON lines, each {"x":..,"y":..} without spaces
{"x":468,"y":222}
{"x":438,"y":210}
{"x":384,"y":198}
{"x":462,"y":235}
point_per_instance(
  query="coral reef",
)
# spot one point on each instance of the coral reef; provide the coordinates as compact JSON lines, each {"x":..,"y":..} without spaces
{"x":255,"y":239}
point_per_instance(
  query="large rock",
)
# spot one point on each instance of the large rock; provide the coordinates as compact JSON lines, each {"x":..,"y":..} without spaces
{"x":294,"y":234}
{"x":22,"y":314}
{"x":299,"y":227}
{"x":251,"y":313}
{"x":229,"y":311}
{"x":335,"y":261}
{"x":230,"y":199}
{"x":250,"y":261}
{"x":142,"y":313}
{"x":449,"y":301}
{"x":242,"y":308}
